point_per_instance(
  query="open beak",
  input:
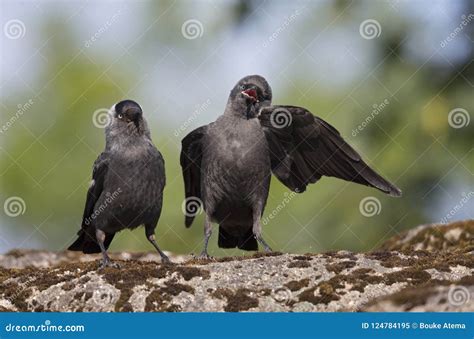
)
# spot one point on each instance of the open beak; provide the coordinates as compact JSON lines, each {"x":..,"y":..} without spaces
{"x":251,"y":94}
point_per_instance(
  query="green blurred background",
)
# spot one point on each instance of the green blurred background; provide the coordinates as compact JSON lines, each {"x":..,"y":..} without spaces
{"x":387,"y":84}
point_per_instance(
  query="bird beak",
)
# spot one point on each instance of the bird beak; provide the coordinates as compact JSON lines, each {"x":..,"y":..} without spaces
{"x":251,"y":94}
{"x":134,"y":115}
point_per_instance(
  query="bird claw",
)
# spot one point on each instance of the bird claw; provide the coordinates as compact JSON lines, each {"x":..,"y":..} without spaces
{"x":165,"y":260}
{"x":203,"y":256}
{"x":108,"y":263}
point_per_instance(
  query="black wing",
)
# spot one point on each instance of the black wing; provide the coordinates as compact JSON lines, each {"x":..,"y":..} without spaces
{"x":303,"y":148}
{"x":190,"y":159}
{"x":98,"y":176}
{"x":86,"y":236}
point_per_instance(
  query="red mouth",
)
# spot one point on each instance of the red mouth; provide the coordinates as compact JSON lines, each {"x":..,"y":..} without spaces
{"x":250,"y":93}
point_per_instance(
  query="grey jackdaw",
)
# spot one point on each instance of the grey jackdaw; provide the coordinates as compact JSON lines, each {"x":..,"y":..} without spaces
{"x":227,"y":164}
{"x":127,"y":184}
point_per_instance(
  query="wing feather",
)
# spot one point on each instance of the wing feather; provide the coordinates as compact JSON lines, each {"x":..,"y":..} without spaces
{"x":190,"y":160}
{"x":99,"y":172}
{"x":303,"y":148}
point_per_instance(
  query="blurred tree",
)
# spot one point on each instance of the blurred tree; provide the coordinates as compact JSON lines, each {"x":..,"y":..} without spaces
{"x":46,"y":156}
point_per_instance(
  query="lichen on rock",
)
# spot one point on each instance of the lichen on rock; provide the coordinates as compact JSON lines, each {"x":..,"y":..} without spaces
{"x":428,"y":268}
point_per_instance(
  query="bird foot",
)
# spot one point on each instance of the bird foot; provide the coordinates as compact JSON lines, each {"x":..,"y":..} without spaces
{"x":267,"y":249}
{"x":203,"y":256}
{"x":108,"y":263}
{"x":165,"y":260}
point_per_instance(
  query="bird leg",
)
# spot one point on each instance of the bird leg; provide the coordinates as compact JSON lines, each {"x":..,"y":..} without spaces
{"x":257,"y":230}
{"x":207,"y":236}
{"x":150,"y":235}
{"x":106,"y":262}
{"x":164,"y":257}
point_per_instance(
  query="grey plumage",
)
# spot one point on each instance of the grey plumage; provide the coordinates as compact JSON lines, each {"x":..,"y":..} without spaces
{"x":228,"y":163}
{"x":127,"y":186}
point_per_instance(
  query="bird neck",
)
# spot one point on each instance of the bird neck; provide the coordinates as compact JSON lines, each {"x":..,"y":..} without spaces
{"x":239,"y":110}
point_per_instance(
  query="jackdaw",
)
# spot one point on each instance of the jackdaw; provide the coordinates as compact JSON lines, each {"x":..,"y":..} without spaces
{"x":127,"y":184}
{"x":227,"y":164}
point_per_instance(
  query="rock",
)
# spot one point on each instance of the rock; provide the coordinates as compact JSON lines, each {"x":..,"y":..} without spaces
{"x":426,"y":269}
{"x":453,"y":298}
{"x":42,"y":259}
{"x":457,"y":236}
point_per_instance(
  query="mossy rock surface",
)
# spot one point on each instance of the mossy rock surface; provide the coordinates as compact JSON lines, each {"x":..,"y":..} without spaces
{"x":457,"y":237}
{"x":429,"y":268}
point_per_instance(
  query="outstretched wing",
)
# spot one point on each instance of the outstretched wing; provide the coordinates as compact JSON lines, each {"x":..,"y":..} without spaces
{"x":303,"y":148}
{"x":98,"y":176}
{"x":190,"y":159}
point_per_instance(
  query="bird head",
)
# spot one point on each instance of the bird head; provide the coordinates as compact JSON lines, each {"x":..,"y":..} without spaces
{"x":126,"y":123}
{"x":127,"y":113}
{"x":126,"y":118}
{"x":249,"y":95}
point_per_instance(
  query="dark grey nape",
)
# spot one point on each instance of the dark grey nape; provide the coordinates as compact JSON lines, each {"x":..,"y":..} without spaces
{"x":127,"y":184}
{"x":227,"y":165}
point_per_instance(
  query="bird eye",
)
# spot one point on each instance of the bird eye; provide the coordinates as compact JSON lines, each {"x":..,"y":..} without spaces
{"x":242,"y":87}
{"x":120,"y":116}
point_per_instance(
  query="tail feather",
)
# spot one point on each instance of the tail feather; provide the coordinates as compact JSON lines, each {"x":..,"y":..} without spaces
{"x":245,"y":241}
{"x":86,"y":243}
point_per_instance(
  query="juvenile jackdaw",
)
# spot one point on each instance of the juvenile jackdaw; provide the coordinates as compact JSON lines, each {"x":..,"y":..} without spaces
{"x":127,"y":184}
{"x":227,"y":164}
